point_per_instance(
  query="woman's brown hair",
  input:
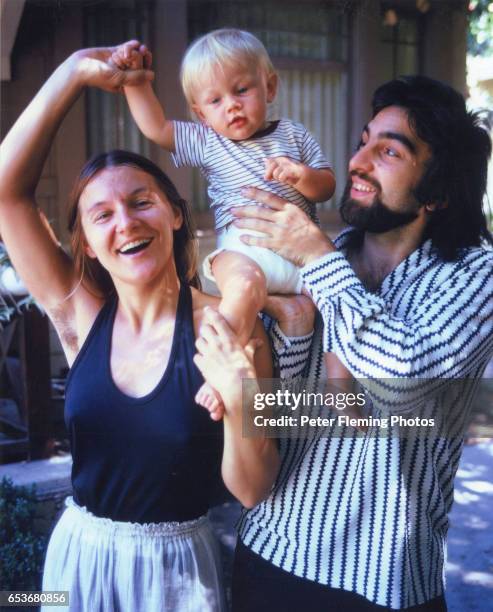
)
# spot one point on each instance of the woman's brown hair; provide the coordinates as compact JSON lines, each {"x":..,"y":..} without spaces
{"x":184,"y":242}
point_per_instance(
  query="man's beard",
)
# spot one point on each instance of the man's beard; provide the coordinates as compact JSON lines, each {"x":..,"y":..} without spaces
{"x":376,"y":217}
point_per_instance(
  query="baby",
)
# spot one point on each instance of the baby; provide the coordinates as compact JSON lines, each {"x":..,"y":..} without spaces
{"x":228,"y":80}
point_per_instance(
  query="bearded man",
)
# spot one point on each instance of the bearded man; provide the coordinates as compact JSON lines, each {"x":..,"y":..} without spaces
{"x":358,"y":521}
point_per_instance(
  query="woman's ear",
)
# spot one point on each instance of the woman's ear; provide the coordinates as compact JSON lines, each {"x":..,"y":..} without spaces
{"x":87,"y":250}
{"x":272,"y":82}
{"x":178,"y":221}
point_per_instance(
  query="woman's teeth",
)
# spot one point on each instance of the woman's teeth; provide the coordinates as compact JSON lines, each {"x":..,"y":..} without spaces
{"x":134,"y":246}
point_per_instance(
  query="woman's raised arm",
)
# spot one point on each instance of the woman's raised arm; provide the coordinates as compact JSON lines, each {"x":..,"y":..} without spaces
{"x":39,"y":260}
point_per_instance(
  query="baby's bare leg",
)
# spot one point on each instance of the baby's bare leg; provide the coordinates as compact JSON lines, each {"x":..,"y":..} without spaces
{"x":244,"y":292}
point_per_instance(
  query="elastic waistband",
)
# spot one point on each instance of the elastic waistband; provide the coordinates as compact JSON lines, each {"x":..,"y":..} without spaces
{"x":172,"y":528}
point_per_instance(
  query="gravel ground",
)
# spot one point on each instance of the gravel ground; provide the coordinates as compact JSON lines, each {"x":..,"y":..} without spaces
{"x":470,"y":540}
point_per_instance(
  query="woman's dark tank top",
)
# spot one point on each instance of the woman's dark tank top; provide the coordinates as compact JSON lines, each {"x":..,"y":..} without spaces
{"x":149,"y":459}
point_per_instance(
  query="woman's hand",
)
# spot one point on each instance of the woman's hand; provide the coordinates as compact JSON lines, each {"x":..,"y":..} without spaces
{"x":288,"y":230}
{"x":250,"y":464}
{"x":97,"y":69}
{"x":223,"y":362}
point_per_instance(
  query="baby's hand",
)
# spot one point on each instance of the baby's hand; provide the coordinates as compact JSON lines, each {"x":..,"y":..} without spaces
{"x":283,"y":170}
{"x":132,"y":55}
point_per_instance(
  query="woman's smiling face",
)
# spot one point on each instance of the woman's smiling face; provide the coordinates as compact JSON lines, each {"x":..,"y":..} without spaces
{"x":128,"y":224}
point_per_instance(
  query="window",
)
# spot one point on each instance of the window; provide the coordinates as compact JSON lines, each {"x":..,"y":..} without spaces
{"x":400,"y":43}
{"x":109,"y":123}
{"x":309,"y":30}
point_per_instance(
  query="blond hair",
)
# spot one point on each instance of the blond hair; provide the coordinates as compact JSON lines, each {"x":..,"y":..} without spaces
{"x":219,"y":49}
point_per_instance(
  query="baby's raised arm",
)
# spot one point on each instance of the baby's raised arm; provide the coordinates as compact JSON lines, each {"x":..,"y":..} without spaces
{"x":144,"y":105}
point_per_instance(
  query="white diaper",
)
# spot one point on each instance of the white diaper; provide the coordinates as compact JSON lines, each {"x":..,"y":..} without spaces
{"x":282,"y":276}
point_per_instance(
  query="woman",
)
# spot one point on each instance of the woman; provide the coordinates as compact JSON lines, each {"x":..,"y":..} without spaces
{"x":134,"y":537}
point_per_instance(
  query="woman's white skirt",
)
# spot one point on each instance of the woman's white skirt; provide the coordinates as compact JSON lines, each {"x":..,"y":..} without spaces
{"x":110,"y":566}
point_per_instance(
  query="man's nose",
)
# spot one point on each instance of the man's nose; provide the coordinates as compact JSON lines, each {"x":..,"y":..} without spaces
{"x":361,"y":160}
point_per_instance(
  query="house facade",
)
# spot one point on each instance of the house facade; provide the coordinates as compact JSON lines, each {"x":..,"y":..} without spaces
{"x":330,"y":55}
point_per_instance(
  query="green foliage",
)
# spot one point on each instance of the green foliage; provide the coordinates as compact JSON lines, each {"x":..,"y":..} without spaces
{"x":480,"y":35}
{"x":11,"y":307}
{"x":22,"y":550}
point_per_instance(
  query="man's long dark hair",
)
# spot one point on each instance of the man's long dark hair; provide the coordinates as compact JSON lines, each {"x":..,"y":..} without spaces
{"x":455,"y":177}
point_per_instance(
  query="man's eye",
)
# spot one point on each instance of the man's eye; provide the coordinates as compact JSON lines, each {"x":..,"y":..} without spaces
{"x":390,"y":152}
{"x":142,"y":203}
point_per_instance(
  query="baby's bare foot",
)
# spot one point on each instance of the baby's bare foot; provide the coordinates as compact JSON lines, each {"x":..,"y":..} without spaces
{"x":209,"y":398}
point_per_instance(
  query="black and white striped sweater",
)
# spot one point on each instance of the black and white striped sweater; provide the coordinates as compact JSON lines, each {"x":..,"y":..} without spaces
{"x":368,"y":513}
